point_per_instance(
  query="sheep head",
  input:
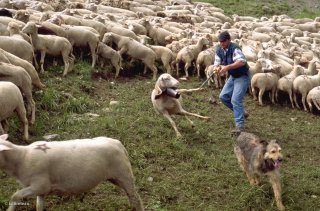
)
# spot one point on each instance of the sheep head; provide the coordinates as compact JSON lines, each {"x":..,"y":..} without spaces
{"x":165,"y":81}
{"x":107,"y":38}
{"x":30,"y":28}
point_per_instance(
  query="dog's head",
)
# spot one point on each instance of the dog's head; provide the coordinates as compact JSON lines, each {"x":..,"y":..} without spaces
{"x":273,"y":155}
{"x":165,"y":81}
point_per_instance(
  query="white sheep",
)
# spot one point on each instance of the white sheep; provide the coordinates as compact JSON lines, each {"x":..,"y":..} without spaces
{"x":302,"y":85}
{"x":106,"y":52}
{"x":134,"y":49}
{"x":67,"y":167}
{"x":165,"y":55}
{"x":11,"y":100}
{"x":265,"y":82}
{"x":285,"y":83}
{"x":10,"y":58}
{"x":18,"y":47}
{"x":51,"y":44}
{"x":314,"y":97}
{"x":189,"y":54}
{"x":20,"y":78}
{"x":205,"y":58}
{"x":81,"y":37}
{"x":158,"y":34}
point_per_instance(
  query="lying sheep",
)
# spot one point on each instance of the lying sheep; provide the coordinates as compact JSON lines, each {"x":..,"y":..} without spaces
{"x":106,"y":52}
{"x":314,"y":97}
{"x":10,"y":58}
{"x":67,"y":167}
{"x":11,"y":100}
{"x":51,"y":44}
{"x":20,"y":78}
{"x":134,"y":49}
{"x":285,"y":83}
{"x":265,"y":82}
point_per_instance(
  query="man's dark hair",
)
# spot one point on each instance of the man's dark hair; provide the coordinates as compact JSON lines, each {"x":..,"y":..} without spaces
{"x":223,"y":36}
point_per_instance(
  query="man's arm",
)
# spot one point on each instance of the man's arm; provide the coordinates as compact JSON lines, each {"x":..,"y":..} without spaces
{"x":240,"y":60}
{"x":232,"y":66}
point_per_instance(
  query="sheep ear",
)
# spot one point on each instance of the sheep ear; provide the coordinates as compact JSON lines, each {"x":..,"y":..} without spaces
{"x":4,"y":137}
{"x":158,"y":90}
{"x":4,"y":148}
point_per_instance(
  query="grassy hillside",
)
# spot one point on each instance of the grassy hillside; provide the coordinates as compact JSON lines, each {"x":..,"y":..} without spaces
{"x":196,"y":172}
{"x":258,"y":8}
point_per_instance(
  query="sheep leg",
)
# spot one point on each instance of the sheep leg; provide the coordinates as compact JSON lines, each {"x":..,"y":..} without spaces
{"x":24,"y":122}
{"x":198,"y":70}
{"x":295,"y":100}
{"x":173,"y":124}
{"x":2,"y":131}
{"x":71,"y":59}
{"x":316,"y":103}
{"x":20,"y":194}
{"x":304,"y":102}
{"x":254,"y":93}
{"x":191,"y":122}
{"x":93,"y":55}
{"x":31,"y":109}
{"x":43,"y":55}
{"x":309,"y":101}
{"x":186,"y":67}
{"x":272,"y":95}
{"x":5,"y":126}
{"x":177,"y":68}
{"x":115,"y":63}
{"x":261,"y":92}
{"x":40,"y":203}
{"x":65,"y":58}
{"x":127,"y":185}
{"x":193,"y":114}
{"x":153,"y":68}
{"x":291,"y":99}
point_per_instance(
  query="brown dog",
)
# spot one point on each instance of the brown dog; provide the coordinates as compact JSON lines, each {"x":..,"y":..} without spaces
{"x":166,"y":99}
{"x":258,"y":158}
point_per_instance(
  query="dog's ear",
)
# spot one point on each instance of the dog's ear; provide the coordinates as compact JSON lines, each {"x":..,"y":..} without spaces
{"x":273,"y":141}
{"x":264,"y":143}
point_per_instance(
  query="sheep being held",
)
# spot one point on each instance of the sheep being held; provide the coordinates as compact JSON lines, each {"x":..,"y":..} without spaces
{"x":166,"y":100}
{"x":67,"y":167}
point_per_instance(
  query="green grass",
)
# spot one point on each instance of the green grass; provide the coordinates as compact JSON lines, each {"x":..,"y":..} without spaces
{"x":198,"y":171}
{"x":267,"y":8}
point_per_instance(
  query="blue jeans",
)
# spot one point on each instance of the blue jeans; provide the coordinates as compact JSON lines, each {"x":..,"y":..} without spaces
{"x":232,"y":95}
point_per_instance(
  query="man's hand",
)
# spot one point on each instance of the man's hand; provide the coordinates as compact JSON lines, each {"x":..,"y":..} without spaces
{"x":223,"y":70}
